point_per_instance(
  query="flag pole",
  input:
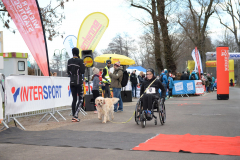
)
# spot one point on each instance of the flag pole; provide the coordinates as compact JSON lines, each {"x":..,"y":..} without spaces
{"x":44,"y":37}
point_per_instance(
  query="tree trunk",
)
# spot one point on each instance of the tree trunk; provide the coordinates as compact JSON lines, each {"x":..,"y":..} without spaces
{"x":168,"y":53}
{"x":157,"y":49}
{"x":201,"y":49}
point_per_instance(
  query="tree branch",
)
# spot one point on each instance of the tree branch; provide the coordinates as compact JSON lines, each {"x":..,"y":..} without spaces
{"x":185,"y":29}
{"x":138,"y":6}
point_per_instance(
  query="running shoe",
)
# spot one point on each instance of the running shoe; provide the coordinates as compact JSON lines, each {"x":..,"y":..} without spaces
{"x":75,"y":119}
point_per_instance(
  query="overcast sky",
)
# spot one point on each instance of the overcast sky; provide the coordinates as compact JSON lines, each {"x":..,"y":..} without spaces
{"x":121,"y":19}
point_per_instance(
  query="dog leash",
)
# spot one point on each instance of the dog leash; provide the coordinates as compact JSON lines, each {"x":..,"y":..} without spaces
{"x":137,"y":104}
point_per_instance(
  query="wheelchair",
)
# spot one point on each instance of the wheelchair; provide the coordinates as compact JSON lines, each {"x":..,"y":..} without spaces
{"x":157,"y":107}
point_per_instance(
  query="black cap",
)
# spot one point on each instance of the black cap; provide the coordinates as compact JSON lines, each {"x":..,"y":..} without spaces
{"x":108,"y":61}
{"x":150,"y":70}
{"x":75,"y":51}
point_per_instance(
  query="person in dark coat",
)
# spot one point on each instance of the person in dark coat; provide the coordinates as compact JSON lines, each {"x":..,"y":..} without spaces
{"x":152,"y":92}
{"x":184,"y":76}
{"x":134,"y":81}
{"x":75,"y":69}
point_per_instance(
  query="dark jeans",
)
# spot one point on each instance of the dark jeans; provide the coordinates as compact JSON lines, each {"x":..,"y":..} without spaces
{"x":170,"y":92}
{"x":76,"y":91}
{"x":107,"y":93}
{"x":117,"y":94}
{"x":165,"y":86}
{"x":95,"y":95}
{"x":207,"y":89}
{"x":147,"y":100}
{"x":134,"y":87}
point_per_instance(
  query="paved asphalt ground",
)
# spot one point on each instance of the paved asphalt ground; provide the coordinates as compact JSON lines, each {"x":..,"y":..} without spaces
{"x":199,"y":115}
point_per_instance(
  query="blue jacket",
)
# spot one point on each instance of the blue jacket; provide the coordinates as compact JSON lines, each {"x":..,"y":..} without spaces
{"x":196,"y":77}
{"x":164,"y":77}
{"x":213,"y":80}
{"x":171,"y":84}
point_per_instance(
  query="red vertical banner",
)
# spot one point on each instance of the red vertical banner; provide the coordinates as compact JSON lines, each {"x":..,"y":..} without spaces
{"x":198,"y":62}
{"x":26,"y":16}
{"x":222,"y":73}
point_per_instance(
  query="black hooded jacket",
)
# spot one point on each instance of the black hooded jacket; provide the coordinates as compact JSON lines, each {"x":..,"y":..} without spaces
{"x":157,"y":85}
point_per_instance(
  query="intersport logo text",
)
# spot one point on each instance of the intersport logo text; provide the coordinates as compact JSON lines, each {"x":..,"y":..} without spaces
{"x":35,"y":93}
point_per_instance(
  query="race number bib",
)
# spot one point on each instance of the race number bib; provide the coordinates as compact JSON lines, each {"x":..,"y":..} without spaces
{"x":151,"y":90}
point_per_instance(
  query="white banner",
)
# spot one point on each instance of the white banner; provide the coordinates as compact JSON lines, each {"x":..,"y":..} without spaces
{"x":212,"y":56}
{"x":69,"y":43}
{"x":199,"y":87}
{"x":32,"y":93}
{"x":195,"y":60}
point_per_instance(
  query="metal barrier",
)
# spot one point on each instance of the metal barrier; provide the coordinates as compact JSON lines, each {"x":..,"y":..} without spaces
{"x":8,"y":118}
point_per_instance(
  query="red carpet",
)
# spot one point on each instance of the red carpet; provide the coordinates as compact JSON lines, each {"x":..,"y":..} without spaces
{"x":192,"y":143}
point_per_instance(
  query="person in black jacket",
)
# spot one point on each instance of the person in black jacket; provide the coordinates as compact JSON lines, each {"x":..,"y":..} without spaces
{"x":184,"y":76}
{"x":134,"y":81}
{"x":152,"y":93}
{"x":75,"y":69}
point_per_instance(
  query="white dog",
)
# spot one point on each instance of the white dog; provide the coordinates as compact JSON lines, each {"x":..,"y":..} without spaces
{"x":105,"y":107}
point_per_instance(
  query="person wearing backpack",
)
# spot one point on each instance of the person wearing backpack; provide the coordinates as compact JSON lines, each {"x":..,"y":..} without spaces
{"x":134,"y":81}
{"x":171,"y":85}
{"x":75,"y":69}
{"x":164,"y":79}
{"x":116,"y":85}
{"x":193,"y":76}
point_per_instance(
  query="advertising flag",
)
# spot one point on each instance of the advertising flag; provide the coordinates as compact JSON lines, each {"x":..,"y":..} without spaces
{"x":91,"y":31}
{"x":198,"y":62}
{"x":222,"y":73}
{"x":26,"y":16}
{"x":69,"y":43}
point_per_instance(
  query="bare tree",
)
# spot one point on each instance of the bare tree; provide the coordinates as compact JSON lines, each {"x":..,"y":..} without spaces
{"x":146,"y":50}
{"x":227,"y":39}
{"x":57,"y":62}
{"x":116,"y":45}
{"x":195,"y":22}
{"x":150,"y":7}
{"x":52,"y":17}
{"x":163,"y":20}
{"x":232,"y":8}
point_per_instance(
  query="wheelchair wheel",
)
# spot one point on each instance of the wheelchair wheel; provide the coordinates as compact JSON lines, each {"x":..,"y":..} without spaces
{"x":143,"y":119}
{"x":164,"y":116}
{"x":160,"y":117}
{"x":136,"y":119}
{"x":137,"y":113}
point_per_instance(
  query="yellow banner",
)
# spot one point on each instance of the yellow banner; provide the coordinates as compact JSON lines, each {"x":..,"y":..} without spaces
{"x":91,"y":31}
{"x":191,"y":65}
{"x":231,"y":70}
{"x":211,"y":64}
{"x":231,"y":67}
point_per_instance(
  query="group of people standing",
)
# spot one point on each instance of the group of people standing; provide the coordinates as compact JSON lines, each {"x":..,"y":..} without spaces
{"x":104,"y":78}
{"x":136,"y":80}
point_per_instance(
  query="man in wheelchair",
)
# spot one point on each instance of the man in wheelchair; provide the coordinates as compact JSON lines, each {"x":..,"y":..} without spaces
{"x":149,"y":90}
